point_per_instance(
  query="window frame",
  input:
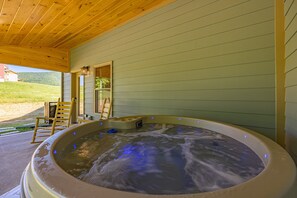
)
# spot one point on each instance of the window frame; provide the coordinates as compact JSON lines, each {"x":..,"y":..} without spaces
{"x":109,"y":63}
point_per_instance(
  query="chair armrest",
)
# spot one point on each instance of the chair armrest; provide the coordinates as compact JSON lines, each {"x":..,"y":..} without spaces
{"x":41,"y":118}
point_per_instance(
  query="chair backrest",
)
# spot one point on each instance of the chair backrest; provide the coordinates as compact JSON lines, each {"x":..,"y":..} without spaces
{"x":63,"y":113}
{"x":106,"y":108}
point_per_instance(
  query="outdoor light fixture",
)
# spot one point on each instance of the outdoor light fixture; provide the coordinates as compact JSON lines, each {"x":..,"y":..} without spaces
{"x":85,"y":70}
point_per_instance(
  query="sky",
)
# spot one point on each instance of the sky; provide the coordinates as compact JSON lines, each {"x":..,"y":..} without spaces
{"x":25,"y":69}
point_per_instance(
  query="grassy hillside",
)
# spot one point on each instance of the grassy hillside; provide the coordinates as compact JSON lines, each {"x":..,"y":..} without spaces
{"x":18,"y":92}
{"x":48,"y":78}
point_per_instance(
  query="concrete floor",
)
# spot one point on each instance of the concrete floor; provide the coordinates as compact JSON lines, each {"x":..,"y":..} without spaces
{"x":15,"y":154}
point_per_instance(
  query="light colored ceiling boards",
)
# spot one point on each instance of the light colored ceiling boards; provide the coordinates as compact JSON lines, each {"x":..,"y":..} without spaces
{"x":45,"y":24}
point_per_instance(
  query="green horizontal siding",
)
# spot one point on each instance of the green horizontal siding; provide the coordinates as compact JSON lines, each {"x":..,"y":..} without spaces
{"x":204,"y":58}
{"x":291,"y":78}
{"x":219,"y":94}
{"x":291,"y":96}
{"x":176,"y":73}
{"x":241,"y":107}
{"x":241,"y":82}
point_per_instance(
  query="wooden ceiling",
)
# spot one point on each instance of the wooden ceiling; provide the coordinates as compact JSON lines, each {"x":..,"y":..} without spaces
{"x":63,"y":24}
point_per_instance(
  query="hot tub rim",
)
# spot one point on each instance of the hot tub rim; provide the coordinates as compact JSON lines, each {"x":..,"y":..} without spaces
{"x":265,"y":142}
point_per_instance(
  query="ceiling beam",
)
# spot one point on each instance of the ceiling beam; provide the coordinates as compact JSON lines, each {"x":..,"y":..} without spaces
{"x":37,"y":57}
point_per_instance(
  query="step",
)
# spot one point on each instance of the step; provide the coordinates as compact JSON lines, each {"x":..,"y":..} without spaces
{"x":6,"y":130}
{"x":9,"y":132}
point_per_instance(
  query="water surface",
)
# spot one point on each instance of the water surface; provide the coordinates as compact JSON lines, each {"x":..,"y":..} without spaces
{"x":161,"y":159}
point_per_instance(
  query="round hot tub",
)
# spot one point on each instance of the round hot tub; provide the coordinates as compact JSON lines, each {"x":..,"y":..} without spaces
{"x":153,"y":156}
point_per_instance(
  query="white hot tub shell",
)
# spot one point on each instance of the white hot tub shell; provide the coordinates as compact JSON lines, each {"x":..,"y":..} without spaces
{"x":44,"y":178}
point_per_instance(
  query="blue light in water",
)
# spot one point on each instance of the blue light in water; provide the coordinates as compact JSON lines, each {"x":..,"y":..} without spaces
{"x":74,"y":133}
{"x":137,"y":155}
{"x":127,"y":150}
{"x":130,"y":151}
{"x":74,"y":146}
{"x":55,"y":152}
{"x":266,"y":156}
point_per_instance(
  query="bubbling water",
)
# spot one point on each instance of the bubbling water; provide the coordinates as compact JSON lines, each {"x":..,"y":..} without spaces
{"x":161,"y":159}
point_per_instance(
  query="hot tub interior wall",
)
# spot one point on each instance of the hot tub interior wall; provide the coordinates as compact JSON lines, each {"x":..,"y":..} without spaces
{"x":208,"y":59}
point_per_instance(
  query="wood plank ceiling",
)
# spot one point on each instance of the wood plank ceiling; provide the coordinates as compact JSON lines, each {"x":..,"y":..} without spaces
{"x":51,"y":27}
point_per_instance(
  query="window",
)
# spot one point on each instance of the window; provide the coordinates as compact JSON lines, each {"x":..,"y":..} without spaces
{"x":103,"y":85}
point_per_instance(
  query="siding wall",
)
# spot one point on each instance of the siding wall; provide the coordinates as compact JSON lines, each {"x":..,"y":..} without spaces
{"x":89,"y":95}
{"x":211,"y":59}
{"x":291,"y":76}
{"x":67,"y":87}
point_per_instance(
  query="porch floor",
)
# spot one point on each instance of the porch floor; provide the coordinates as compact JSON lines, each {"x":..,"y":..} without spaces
{"x":15,"y":154}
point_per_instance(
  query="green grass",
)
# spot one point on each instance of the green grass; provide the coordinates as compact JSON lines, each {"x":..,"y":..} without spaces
{"x":24,"y":129}
{"x":19,"y":92}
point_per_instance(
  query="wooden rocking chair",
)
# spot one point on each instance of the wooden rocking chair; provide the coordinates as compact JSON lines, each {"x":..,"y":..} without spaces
{"x":60,"y":121}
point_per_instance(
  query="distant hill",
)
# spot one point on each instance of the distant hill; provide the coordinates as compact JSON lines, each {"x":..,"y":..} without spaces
{"x":47,"y":78}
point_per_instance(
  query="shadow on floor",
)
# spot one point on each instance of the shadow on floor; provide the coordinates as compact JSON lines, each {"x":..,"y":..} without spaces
{"x":15,"y":154}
